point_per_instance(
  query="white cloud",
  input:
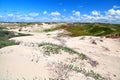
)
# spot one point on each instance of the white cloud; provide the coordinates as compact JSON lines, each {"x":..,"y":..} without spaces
{"x":45,"y":12}
{"x":71,"y":17}
{"x":1,"y":16}
{"x":18,"y":16}
{"x":115,"y":6}
{"x":93,"y":18}
{"x":74,"y":17}
{"x":111,"y":16}
{"x":96,"y":13}
{"x":113,"y":12}
{"x":55,"y":19}
{"x":84,"y":15}
{"x":110,"y":12}
{"x":63,"y":16}
{"x":26,"y":18}
{"x":33,"y":14}
{"x":117,"y":12}
{"x":56,"y":13}
{"x":10,"y":15}
{"x":76,"y":13}
{"x":88,"y":17}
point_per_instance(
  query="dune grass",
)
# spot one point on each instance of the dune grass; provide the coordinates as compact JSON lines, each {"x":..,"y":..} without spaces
{"x":50,"y":48}
{"x":88,"y":73}
{"x":62,"y":70}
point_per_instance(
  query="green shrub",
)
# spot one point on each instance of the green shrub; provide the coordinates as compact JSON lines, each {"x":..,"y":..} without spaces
{"x":6,"y":43}
{"x":5,"y":35}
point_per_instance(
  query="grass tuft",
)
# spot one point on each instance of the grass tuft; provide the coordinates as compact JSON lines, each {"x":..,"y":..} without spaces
{"x":90,"y":73}
{"x":50,"y":48}
{"x":56,"y":49}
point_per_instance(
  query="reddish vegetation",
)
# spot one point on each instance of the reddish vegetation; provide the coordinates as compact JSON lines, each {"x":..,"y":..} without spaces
{"x":113,"y":36}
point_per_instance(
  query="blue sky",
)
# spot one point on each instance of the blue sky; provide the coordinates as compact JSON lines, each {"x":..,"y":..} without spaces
{"x":60,"y":10}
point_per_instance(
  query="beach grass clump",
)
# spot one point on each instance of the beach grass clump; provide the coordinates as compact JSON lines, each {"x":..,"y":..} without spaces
{"x":50,"y":48}
{"x":88,"y":73}
{"x":61,"y":71}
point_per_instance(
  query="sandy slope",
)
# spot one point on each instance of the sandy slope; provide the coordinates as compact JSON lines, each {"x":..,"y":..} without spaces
{"x":27,"y":62}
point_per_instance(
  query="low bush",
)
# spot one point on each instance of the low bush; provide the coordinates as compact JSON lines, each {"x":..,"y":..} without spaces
{"x":5,"y":35}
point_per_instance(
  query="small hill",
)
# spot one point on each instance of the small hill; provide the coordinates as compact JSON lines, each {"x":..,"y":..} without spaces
{"x":91,"y":29}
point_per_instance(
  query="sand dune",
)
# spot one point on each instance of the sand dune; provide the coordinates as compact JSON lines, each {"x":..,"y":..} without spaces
{"x":26,"y":61}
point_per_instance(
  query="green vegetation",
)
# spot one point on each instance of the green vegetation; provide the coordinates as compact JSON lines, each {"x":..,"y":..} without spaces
{"x":88,"y":29}
{"x":94,"y":29}
{"x":5,"y":35}
{"x":61,"y":71}
{"x":6,"y":43}
{"x":75,"y":30}
{"x":50,"y":48}
{"x":52,"y":29}
{"x":3,"y":28}
{"x":90,"y":73}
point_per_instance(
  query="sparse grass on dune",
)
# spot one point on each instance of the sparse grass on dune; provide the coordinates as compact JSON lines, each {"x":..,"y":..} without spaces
{"x":62,"y":70}
{"x":50,"y":48}
{"x":87,"y":73}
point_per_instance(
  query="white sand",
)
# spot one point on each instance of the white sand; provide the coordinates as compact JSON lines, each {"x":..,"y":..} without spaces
{"x":27,"y":62}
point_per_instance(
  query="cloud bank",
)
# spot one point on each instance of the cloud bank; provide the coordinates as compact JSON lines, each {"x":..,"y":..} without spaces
{"x":109,"y":16}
